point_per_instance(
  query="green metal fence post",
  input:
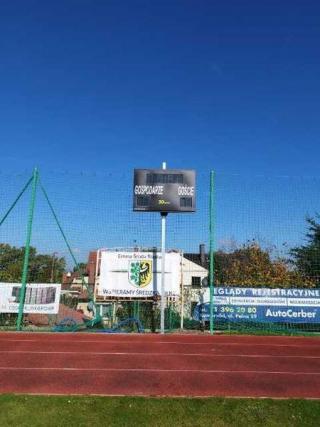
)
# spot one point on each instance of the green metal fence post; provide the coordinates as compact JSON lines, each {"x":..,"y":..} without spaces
{"x":211,"y":247}
{"x":27,"y":249}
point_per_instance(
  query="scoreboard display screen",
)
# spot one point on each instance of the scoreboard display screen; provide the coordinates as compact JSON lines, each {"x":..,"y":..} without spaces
{"x":164,"y":190}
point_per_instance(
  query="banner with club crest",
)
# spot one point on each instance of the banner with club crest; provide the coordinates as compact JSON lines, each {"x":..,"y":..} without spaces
{"x":138,"y":274}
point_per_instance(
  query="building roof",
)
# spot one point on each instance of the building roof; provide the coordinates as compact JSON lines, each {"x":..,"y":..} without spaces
{"x":196,"y":258}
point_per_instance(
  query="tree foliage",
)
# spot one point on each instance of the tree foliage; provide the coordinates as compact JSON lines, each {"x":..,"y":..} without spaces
{"x":250,"y":265}
{"x":43,"y":268}
{"x":306,"y":258}
{"x":81,"y":268}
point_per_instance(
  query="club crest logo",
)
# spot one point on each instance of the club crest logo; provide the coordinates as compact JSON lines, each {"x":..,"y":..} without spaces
{"x":140,"y":273}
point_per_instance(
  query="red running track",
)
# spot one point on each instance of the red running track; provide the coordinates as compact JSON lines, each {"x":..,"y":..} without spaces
{"x":159,"y":365}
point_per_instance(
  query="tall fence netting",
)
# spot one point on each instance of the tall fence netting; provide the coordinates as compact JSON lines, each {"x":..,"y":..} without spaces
{"x":266,"y":253}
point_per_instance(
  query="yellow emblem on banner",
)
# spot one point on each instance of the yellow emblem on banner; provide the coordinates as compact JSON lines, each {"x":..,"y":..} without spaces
{"x":140,"y":273}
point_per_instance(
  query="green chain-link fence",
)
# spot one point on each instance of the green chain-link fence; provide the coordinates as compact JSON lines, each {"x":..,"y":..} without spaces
{"x":248,"y":260}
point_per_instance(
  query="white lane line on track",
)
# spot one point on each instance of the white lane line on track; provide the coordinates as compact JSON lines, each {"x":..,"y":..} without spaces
{"x":206,"y":355}
{"x":202,"y":371}
{"x":166,"y":342}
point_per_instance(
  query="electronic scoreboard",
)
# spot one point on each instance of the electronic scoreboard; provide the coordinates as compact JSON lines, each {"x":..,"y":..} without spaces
{"x":164,"y":190}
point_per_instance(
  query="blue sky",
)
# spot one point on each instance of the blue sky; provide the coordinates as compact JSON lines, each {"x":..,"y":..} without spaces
{"x":101,"y":85}
{"x":106,"y":86}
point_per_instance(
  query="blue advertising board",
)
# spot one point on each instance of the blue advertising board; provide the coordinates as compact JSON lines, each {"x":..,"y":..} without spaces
{"x":236,"y":304}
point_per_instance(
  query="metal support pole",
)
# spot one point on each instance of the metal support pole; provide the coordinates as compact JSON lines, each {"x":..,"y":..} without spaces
{"x":16,"y":201}
{"x":163,"y":268}
{"x":182,"y":293}
{"x":163,"y":264}
{"x":27,"y":249}
{"x":211,"y":248}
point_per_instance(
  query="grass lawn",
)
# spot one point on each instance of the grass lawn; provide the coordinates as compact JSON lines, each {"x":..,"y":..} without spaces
{"x":26,"y":410}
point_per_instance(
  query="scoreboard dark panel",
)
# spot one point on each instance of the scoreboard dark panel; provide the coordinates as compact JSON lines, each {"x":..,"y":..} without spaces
{"x":164,"y":190}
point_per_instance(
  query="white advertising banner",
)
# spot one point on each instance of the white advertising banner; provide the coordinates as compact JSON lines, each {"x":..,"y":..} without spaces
{"x":138,"y":274}
{"x":40,"y":298}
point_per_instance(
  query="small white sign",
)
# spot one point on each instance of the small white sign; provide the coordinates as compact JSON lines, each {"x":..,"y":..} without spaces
{"x":39,"y":298}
